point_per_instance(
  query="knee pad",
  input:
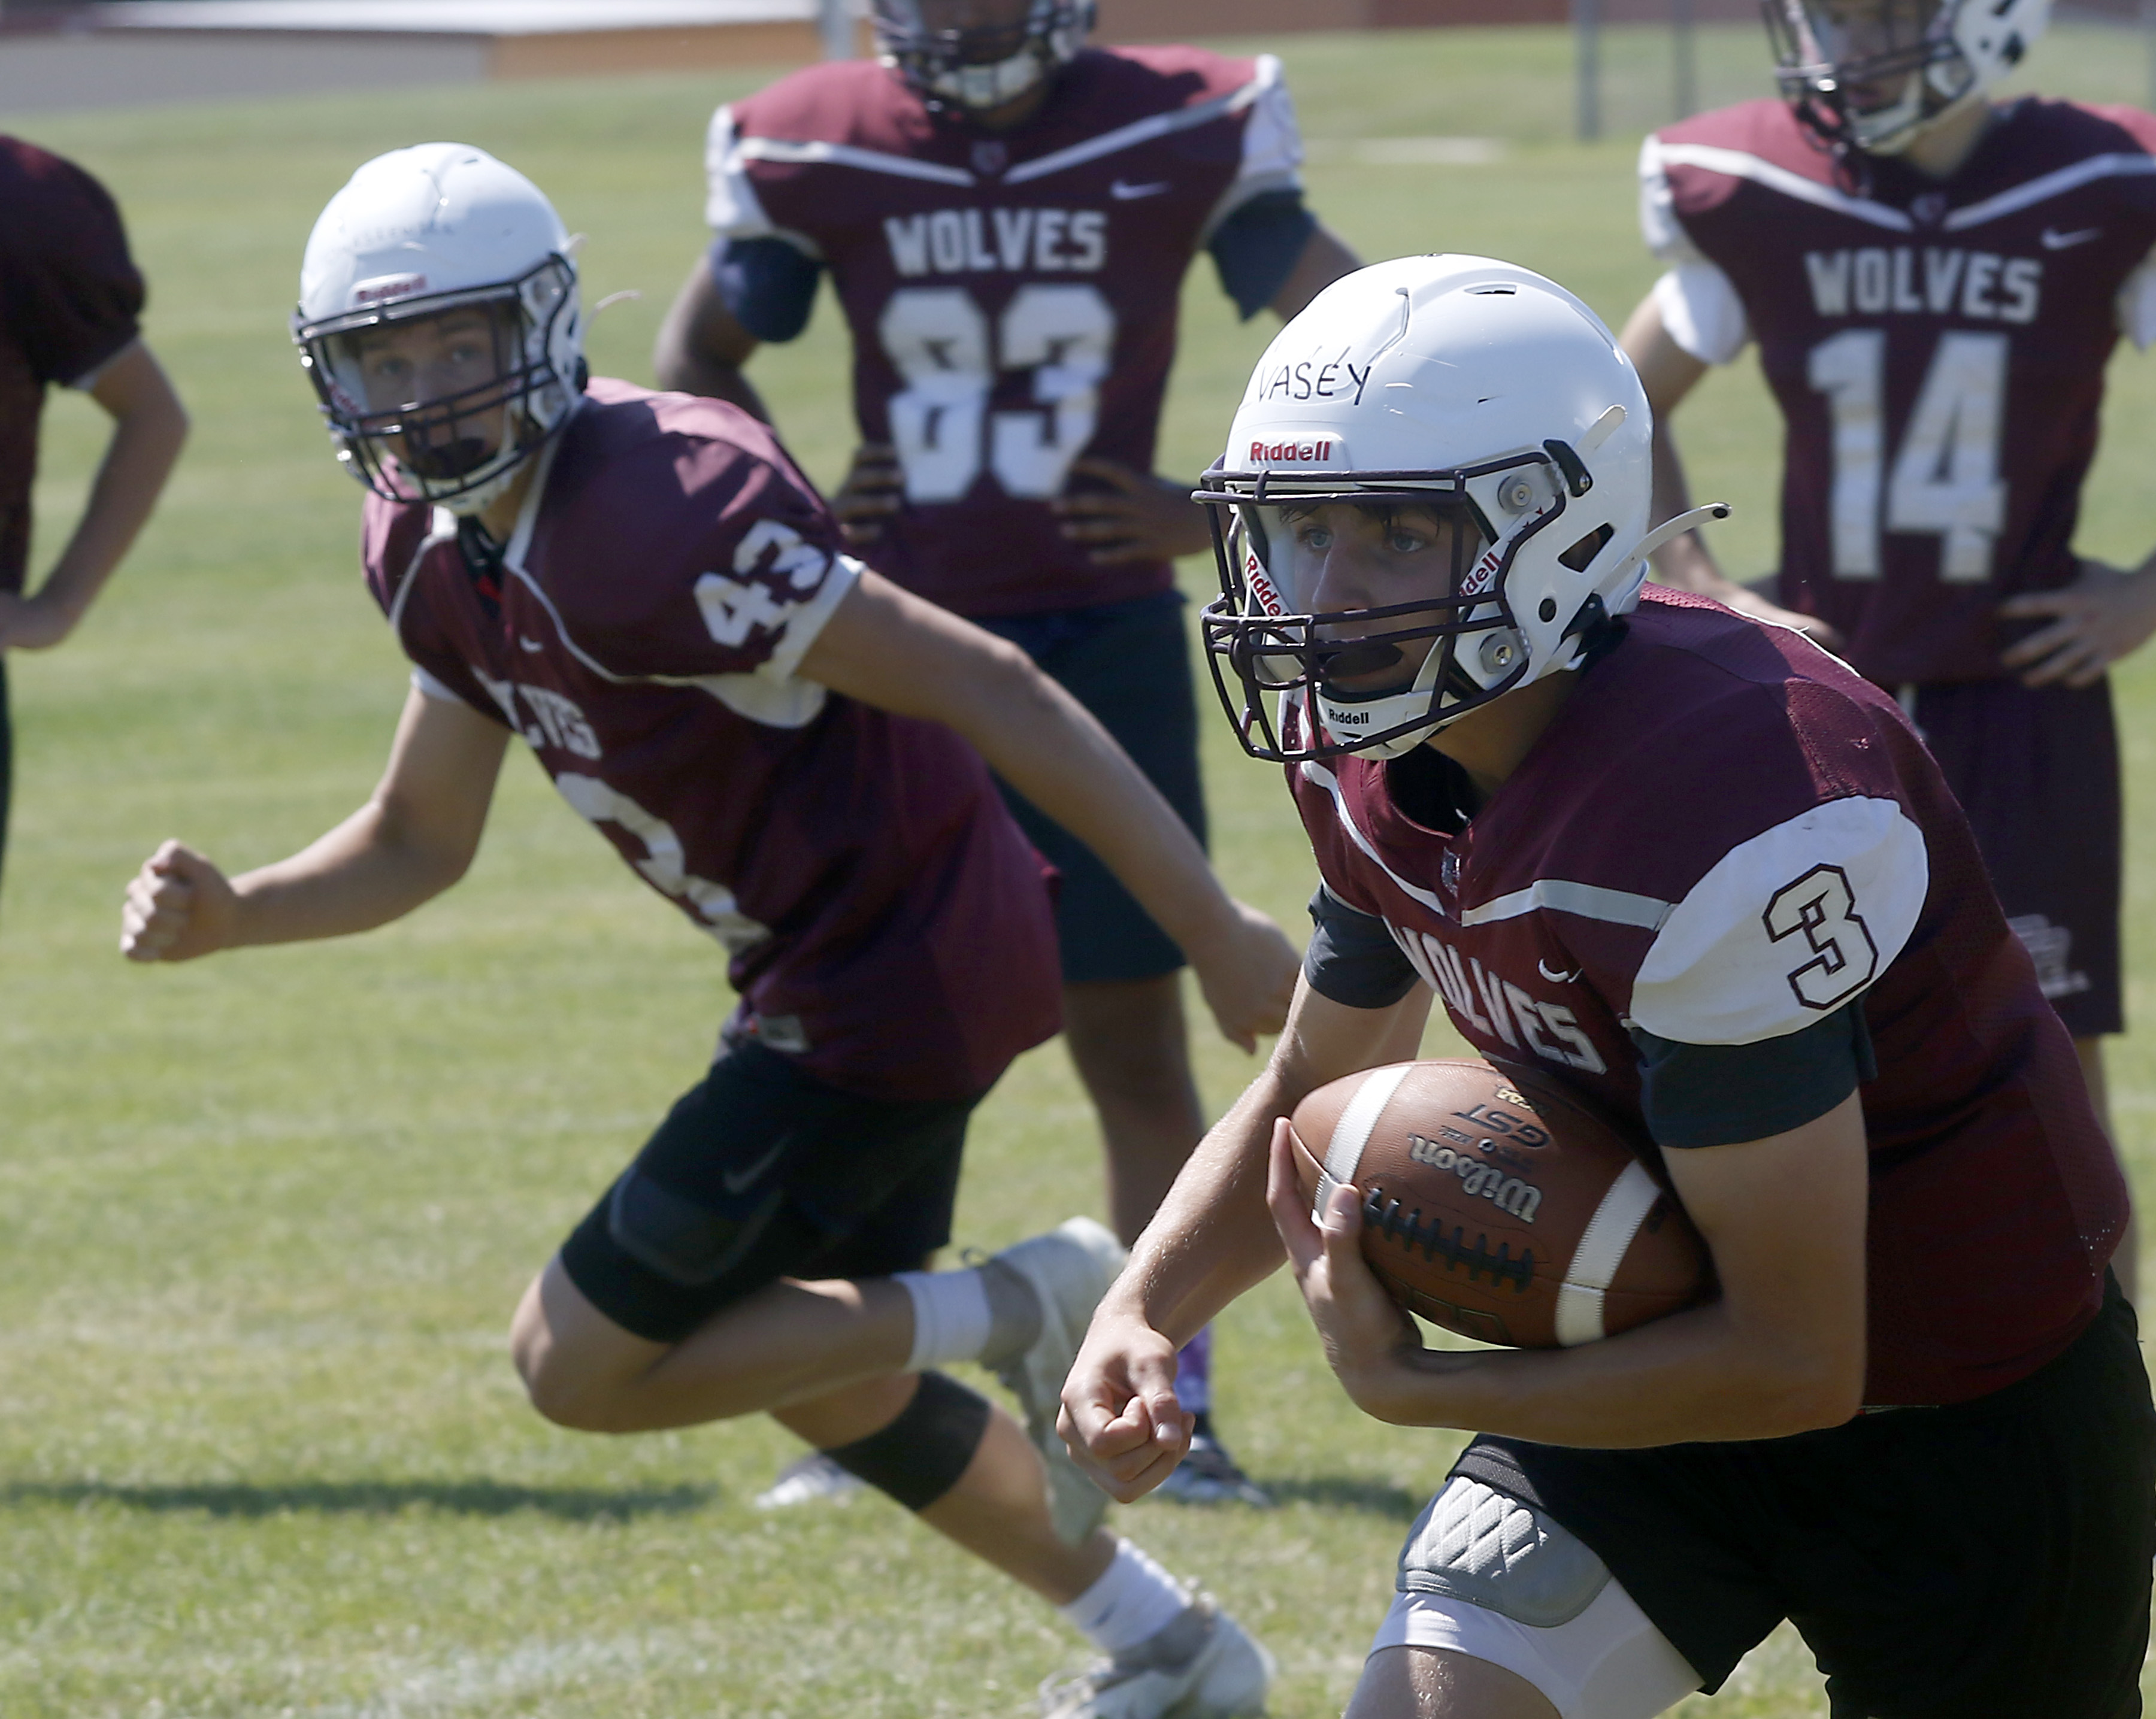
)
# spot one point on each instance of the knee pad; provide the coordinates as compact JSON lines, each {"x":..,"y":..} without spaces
{"x":1487,"y":1577}
{"x":920,"y":1456}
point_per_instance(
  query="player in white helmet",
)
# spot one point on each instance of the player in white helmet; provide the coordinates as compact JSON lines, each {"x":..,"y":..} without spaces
{"x":1934,"y":275}
{"x":1709,"y":880}
{"x":645,"y":589}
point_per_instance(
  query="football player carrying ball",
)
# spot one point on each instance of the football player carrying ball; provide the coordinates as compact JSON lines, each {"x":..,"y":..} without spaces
{"x":1705,"y":876}
{"x":645,"y":590}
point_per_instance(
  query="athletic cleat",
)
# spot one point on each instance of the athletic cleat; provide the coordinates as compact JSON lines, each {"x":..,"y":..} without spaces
{"x":1208,"y":1475}
{"x":1201,"y":1667}
{"x":813,"y":1479}
{"x":1070,"y":1269}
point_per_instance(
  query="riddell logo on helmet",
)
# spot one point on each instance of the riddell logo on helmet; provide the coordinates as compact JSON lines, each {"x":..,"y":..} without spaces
{"x":1291,"y":452}
{"x":388,"y":286}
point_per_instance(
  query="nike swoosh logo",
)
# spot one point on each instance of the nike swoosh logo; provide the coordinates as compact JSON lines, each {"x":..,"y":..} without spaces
{"x":529,"y":644}
{"x":734,"y":1181}
{"x":2055,"y":240}
{"x":1123,"y":192}
{"x":1556,"y":979}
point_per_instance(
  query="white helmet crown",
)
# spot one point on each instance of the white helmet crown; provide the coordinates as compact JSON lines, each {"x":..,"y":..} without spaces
{"x":1476,"y":389}
{"x":1945,"y":53}
{"x":415,"y":234}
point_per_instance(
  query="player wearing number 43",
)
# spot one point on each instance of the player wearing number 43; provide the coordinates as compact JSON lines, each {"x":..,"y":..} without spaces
{"x":1936,"y":281}
{"x":645,"y":590}
{"x":1006,"y":215}
{"x":1705,"y":876}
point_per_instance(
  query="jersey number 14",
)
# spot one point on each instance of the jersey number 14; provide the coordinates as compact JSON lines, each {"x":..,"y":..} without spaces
{"x":937,"y":339}
{"x":1944,"y":480}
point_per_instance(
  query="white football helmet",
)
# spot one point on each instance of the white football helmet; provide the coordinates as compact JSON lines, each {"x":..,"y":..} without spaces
{"x":1941,"y":54}
{"x":1473,"y":388}
{"x":419,"y":233}
{"x":980,"y":66}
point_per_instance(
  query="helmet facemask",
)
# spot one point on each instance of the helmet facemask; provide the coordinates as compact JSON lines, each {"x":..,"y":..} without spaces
{"x":980,"y":67}
{"x":1310,"y":683}
{"x":1831,"y":55}
{"x":410,"y":438}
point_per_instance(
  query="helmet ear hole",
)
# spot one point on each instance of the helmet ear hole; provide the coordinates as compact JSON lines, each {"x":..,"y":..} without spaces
{"x":1547,"y":611}
{"x":1585,"y":550}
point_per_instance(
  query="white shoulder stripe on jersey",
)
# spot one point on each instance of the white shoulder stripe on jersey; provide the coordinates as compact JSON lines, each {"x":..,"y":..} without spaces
{"x":1587,"y":901}
{"x":1738,"y":165}
{"x":846,"y":155}
{"x":1331,"y":784}
{"x":2047,"y":186}
{"x":1580,"y":1298}
{"x":1146,"y":130}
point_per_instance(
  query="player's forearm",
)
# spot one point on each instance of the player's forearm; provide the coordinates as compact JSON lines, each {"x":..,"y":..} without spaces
{"x":1212,"y":1238}
{"x":1700,"y":1376}
{"x":146,"y":443}
{"x":362,"y":874}
{"x":1048,"y":748}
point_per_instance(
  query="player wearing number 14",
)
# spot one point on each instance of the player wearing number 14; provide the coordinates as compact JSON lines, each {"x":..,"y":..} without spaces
{"x":1936,"y":281}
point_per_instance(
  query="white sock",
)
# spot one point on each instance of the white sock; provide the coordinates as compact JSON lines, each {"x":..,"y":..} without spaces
{"x":1134,"y":1600}
{"x":950,"y":1320}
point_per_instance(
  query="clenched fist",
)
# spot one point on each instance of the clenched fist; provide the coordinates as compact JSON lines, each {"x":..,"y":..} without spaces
{"x":178,"y":906}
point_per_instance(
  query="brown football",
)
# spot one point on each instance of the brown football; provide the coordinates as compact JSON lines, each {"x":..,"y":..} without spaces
{"x":1497,"y":1205}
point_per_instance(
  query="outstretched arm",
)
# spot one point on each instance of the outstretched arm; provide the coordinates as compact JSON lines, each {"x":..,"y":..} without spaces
{"x":413,"y":838}
{"x":148,"y":426}
{"x":888,"y":648}
{"x":1210,"y":1240}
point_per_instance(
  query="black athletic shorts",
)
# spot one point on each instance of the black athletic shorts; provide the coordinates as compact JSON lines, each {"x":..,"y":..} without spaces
{"x":1129,"y":663}
{"x":761,"y":1172}
{"x":2036,"y":769}
{"x":1986,"y":1560}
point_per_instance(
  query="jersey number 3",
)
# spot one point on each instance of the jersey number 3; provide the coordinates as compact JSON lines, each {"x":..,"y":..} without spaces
{"x":1820,"y":908}
{"x":1944,"y":480}
{"x":937,"y":339}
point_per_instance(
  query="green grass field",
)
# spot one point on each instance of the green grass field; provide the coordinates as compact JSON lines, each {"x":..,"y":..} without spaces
{"x":261,"y":1452}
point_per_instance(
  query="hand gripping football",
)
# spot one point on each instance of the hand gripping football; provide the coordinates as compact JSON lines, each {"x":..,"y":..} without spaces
{"x":1497,"y":1205}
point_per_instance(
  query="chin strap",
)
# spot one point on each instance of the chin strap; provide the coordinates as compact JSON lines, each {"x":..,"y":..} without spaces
{"x":1671,"y":529}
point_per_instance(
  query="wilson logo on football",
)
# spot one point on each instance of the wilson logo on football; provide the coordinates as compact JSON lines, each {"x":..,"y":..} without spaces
{"x":1293,"y":453}
{"x":1508,"y":1193}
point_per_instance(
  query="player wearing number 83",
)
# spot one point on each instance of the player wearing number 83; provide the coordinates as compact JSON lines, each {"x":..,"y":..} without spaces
{"x":1935,"y":281}
{"x":1006,"y":215}
{"x":1705,"y":876}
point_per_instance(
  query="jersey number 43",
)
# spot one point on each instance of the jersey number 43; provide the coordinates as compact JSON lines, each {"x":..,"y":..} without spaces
{"x":938,"y":340}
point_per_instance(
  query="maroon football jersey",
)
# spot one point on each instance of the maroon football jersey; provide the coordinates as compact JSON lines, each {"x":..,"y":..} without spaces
{"x":888,"y":924}
{"x":1937,"y":348}
{"x":1012,"y":296}
{"x":69,"y":299}
{"x":1725,"y":835}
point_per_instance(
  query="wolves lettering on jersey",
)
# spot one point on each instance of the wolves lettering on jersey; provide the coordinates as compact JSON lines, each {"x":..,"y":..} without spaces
{"x":1937,"y":351}
{"x":1724,"y":836}
{"x":860,"y":869}
{"x":1013,"y":301}
{"x":1507,"y":1016}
